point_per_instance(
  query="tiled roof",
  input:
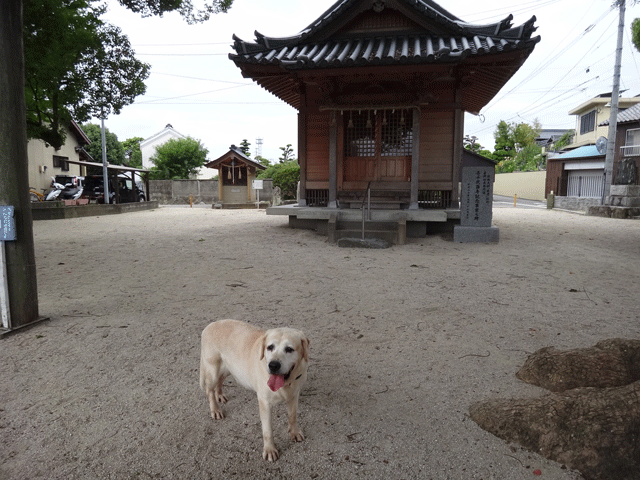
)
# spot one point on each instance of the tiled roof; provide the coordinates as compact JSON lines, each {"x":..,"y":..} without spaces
{"x":631,"y":114}
{"x":341,"y":38}
{"x":383,"y":50}
{"x":234,"y":152}
{"x":304,"y":51}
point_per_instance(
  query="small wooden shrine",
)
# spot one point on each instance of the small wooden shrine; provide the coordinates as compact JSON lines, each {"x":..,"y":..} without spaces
{"x":235,"y":173}
{"x":381,"y":87}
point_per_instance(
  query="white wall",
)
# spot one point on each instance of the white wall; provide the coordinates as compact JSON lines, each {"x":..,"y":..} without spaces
{"x":527,"y":185}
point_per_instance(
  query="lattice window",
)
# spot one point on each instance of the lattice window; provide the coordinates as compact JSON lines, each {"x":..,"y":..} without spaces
{"x":360,"y":134}
{"x":369,"y":133}
{"x":317,"y":197}
{"x":434,"y":198}
{"x":397,"y":138}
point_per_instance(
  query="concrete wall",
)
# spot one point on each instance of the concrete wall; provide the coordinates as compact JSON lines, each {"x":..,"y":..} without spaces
{"x":575,"y":203}
{"x":203,"y":191}
{"x":527,"y":185}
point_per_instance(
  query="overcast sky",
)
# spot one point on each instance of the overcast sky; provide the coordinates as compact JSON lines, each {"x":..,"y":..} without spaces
{"x":196,"y":88}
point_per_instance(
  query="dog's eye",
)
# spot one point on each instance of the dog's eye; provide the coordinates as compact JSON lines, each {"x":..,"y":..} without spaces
{"x":288,"y":350}
{"x":271,"y":347}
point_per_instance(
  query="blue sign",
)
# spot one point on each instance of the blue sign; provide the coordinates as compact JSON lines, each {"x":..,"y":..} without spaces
{"x":7,"y":224}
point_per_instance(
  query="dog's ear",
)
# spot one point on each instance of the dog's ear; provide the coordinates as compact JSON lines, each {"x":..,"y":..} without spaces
{"x":263,"y":342}
{"x":305,"y":348}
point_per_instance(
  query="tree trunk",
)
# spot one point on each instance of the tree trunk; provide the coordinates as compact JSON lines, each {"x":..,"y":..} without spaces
{"x":594,"y":429}
{"x":14,"y":174}
{"x":611,"y":363}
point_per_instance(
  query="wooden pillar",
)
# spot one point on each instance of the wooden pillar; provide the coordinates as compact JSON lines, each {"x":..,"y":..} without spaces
{"x":415,"y":159}
{"x":458,"y":136}
{"x":333,"y":159}
{"x":302,"y":157}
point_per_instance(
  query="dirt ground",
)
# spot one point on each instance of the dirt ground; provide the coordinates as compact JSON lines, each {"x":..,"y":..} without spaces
{"x":403,"y":340}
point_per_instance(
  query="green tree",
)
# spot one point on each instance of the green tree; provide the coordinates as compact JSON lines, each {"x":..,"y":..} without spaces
{"x":564,"y":140}
{"x":263,"y":161}
{"x":285,"y":175}
{"x":287,"y":154}
{"x":115,"y":150}
{"x":148,"y":8}
{"x":178,"y":159}
{"x":132,"y":151}
{"x":473,"y":146}
{"x":14,"y":170}
{"x":515,"y":147}
{"x":635,"y":33}
{"x":77,"y":67}
{"x":245,"y":147}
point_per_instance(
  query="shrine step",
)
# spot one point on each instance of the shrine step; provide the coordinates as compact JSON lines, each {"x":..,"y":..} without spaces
{"x":394,"y":232}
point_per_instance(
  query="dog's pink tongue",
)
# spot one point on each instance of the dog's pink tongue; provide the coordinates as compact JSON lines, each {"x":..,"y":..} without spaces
{"x":276,"y":382}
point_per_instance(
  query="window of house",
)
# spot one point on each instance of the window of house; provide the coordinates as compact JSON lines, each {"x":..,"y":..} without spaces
{"x":61,"y":163}
{"x":632,"y":144}
{"x":588,"y":122}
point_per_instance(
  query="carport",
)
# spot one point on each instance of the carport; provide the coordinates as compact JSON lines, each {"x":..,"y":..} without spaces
{"x":144,"y":174}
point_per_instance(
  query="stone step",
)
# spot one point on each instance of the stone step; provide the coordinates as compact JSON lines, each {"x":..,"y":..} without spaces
{"x":390,"y":236}
{"x":391,"y":231}
{"x":368,"y":225}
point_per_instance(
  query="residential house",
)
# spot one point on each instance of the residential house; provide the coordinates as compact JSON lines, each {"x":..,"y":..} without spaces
{"x":148,"y":145}
{"x":592,"y":115}
{"x":46,"y":162}
{"x":626,"y":160}
{"x":547,"y":138}
{"x":577,"y":176}
{"x":381,"y":88}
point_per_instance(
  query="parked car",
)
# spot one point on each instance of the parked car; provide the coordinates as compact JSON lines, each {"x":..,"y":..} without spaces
{"x":128,"y":191}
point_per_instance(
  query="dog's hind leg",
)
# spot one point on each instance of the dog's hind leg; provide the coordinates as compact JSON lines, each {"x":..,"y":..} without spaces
{"x":218,"y":390}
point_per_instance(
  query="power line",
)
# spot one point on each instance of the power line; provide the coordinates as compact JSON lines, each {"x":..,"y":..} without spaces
{"x":194,"y":94}
{"x":199,"y":78}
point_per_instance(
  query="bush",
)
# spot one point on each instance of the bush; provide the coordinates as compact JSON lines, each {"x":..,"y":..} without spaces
{"x":284,"y":175}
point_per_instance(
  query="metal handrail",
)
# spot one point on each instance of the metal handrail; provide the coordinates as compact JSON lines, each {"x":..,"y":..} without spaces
{"x":367,"y":197}
{"x":630,"y":150}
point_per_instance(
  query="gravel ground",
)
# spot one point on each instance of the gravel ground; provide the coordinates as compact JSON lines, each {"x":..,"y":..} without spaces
{"x":403,"y":340}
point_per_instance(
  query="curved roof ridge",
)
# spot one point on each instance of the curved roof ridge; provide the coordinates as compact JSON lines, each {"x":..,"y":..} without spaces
{"x":428,"y":7}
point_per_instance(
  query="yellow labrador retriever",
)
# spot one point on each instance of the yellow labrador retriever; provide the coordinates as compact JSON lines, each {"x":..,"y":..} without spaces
{"x":273,"y":363}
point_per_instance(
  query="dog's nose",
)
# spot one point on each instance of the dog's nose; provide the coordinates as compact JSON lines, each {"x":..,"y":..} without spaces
{"x":274,"y":366}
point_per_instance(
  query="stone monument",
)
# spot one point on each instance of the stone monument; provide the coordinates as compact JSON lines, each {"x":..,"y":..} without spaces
{"x":476,"y":207}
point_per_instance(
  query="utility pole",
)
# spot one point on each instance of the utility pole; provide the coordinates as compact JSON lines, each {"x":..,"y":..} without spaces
{"x":105,"y":170}
{"x":613,"y":119}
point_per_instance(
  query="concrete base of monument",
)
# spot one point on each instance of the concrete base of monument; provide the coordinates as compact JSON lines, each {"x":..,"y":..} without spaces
{"x":464,"y":234}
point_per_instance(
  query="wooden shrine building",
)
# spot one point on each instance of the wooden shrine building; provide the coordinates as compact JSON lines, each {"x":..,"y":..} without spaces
{"x":235,"y":173}
{"x":381,"y":87}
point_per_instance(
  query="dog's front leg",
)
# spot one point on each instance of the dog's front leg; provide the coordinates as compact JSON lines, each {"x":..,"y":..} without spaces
{"x":292,"y":408}
{"x":269,"y":452}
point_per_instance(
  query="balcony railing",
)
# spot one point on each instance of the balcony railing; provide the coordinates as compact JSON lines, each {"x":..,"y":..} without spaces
{"x":630,"y":150}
